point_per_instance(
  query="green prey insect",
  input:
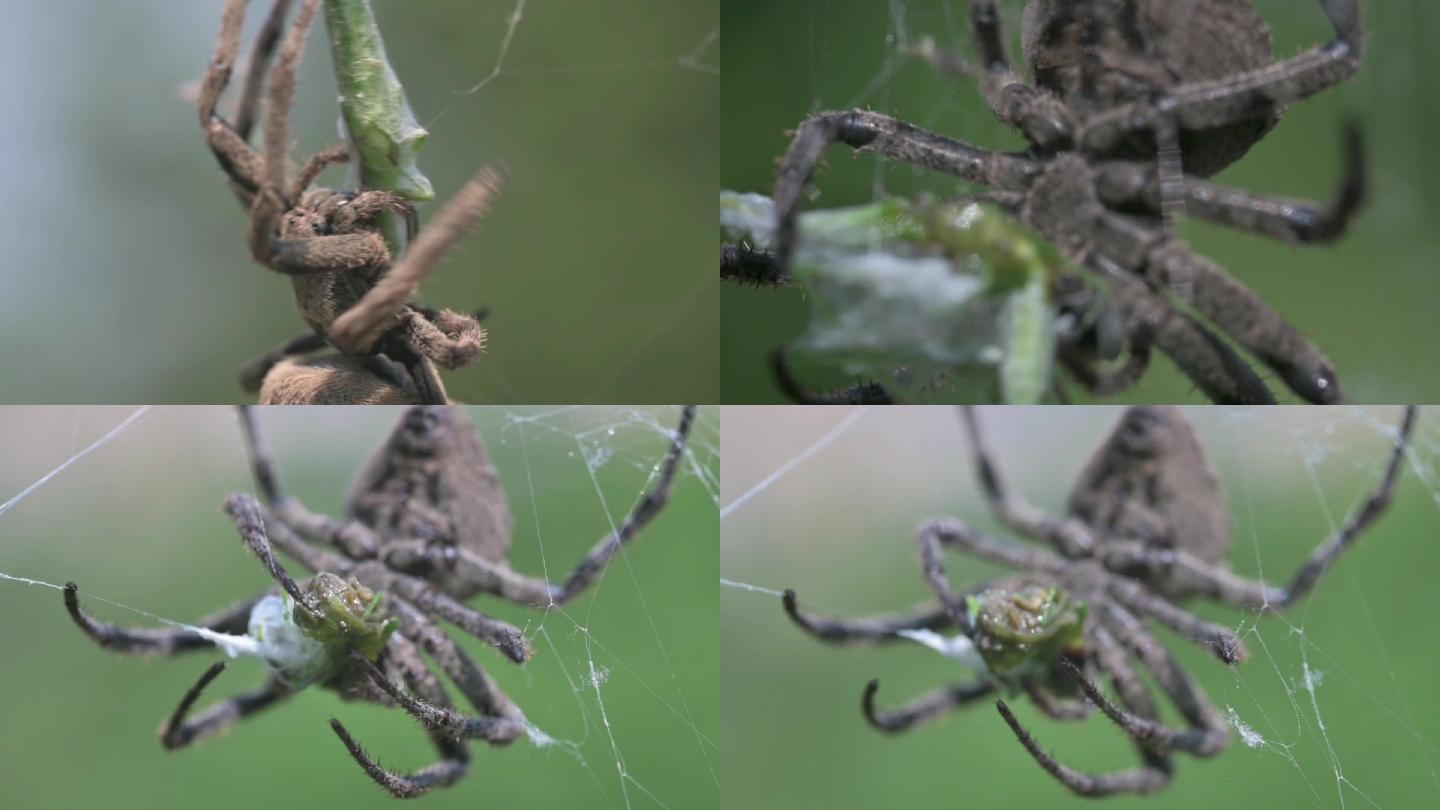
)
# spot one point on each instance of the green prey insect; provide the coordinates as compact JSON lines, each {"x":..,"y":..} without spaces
{"x":304,"y":647}
{"x":1023,"y":633}
{"x":930,"y":286}
{"x":1019,"y":633}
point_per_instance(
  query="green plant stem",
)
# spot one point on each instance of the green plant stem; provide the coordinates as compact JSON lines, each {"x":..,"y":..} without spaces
{"x":385,"y":138}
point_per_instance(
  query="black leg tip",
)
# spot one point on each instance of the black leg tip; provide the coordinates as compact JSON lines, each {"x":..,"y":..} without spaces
{"x":1354,"y":138}
{"x":514,"y":646}
{"x":867,"y":703}
{"x":243,"y":509}
{"x":783,"y":377}
{"x":211,"y":674}
{"x":72,"y":602}
{"x":868,"y":698}
{"x":1230,"y":649}
{"x":788,"y":600}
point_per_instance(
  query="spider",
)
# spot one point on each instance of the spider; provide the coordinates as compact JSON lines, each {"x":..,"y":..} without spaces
{"x":426,"y":527}
{"x":328,"y":242}
{"x":1147,"y":526}
{"x":1116,"y":82}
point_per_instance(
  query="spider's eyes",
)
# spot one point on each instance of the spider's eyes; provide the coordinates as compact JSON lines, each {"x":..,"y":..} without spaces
{"x":1140,"y":429}
{"x":421,"y":423}
{"x":1141,"y":421}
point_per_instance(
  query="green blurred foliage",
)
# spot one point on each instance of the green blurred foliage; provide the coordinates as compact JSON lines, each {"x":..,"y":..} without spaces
{"x":127,"y":277}
{"x":139,"y":522}
{"x":1366,"y":301}
{"x":838,"y":529}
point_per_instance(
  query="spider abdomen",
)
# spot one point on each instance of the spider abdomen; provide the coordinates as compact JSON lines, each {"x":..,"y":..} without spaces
{"x":1151,"y":482}
{"x":433,"y":481}
{"x":1098,"y":55}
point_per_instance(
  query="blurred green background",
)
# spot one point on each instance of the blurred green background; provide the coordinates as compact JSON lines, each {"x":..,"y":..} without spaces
{"x":1366,"y":301}
{"x":127,"y":278}
{"x":838,"y":527}
{"x":139,"y":522}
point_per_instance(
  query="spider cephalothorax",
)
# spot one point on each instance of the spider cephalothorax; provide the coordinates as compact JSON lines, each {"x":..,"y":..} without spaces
{"x":1147,"y":525}
{"x":1133,"y":102}
{"x":426,"y":526}
{"x":330,"y":243}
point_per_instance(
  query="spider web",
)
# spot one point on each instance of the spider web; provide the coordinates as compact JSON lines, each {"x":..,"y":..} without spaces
{"x":620,"y":694}
{"x":1335,"y":707}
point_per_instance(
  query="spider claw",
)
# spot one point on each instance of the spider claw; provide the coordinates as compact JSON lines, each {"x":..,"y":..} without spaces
{"x":86,"y":625}
{"x":792,"y":609}
{"x":399,"y":789}
{"x":867,"y":700}
{"x":176,"y":733}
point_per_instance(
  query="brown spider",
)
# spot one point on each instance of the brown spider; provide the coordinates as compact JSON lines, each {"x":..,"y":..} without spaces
{"x":426,"y":526}
{"x":1147,"y":525}
{"x":1117,"y":82}
{"x":328,"y":241}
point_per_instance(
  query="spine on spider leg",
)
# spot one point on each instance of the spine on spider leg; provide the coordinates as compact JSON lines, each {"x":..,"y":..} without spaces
{"x":385,"y":138}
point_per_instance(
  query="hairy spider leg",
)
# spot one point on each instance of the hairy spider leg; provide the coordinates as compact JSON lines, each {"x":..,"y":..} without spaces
{"x":454,"y":755}
{"x":166,"y":641}
{"x":924,"y":708}
{"x":1152,"y":776}
{"x":1208,"y":361}
{"x":1124,"y":184}
{"x":863,"y":630}
{"x":887,"y":137}
{"x":859,"y":394}
{"x":179,"y":732}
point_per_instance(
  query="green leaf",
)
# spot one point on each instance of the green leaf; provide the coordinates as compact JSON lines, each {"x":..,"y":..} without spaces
{"x":383,"y":132}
